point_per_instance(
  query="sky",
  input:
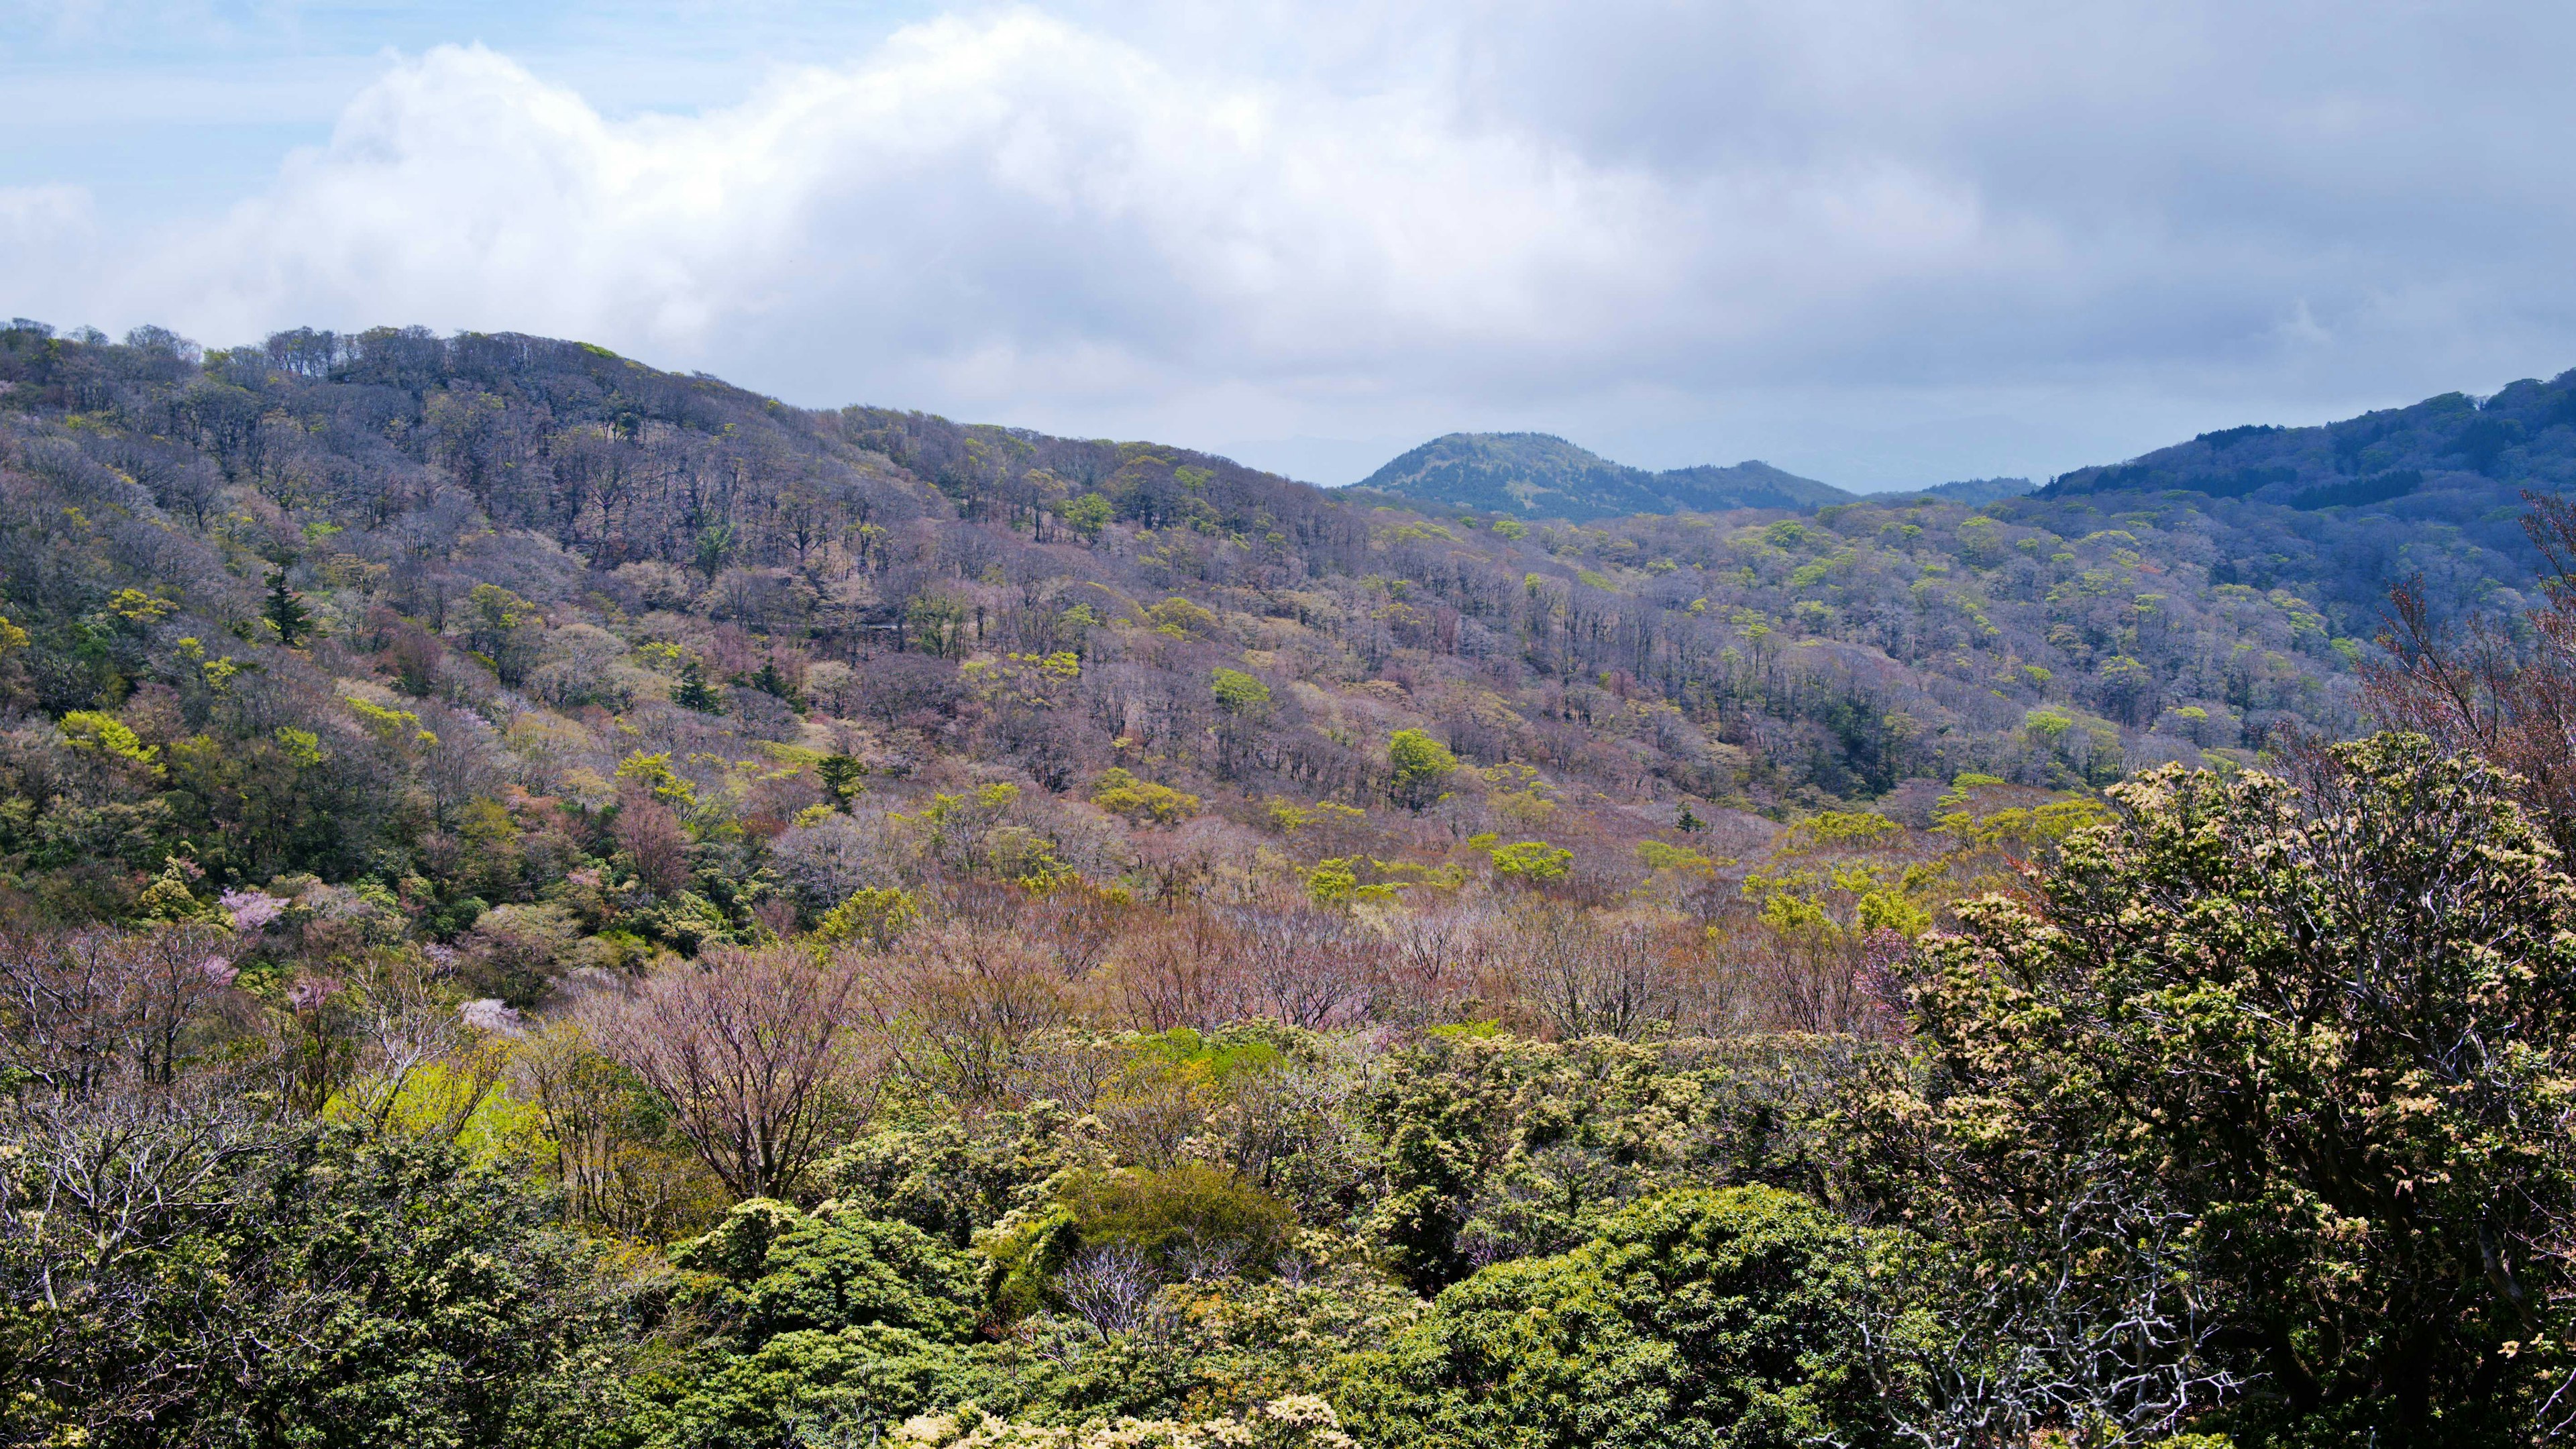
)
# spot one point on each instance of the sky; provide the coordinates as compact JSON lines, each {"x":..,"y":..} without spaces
{"x":1880,"y":244}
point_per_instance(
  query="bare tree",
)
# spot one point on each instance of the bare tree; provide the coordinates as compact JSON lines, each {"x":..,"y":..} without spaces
{"x":100,"y":1188}
{"x":2086,"y":1323}
{"x":632,"y":1188}
{"x":966,"y":1007}
{"x":751,"y":1049}
{"x":82,"y":1009}
{"x":2503,"y":690}
{"x":1305,"y":967}
{"x":1430,"y":964}
{"x":1583,"y":976}
{"x":1110,"y":1287}
{"x":1183,"y":970}
{"x":653,"y":839}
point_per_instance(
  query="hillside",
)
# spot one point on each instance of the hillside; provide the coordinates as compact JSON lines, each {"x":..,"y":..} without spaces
{"x":2445,"y":458}
{"x":517,"y":529}
{"x":1535,"y":475}
{"x":581,"y":905}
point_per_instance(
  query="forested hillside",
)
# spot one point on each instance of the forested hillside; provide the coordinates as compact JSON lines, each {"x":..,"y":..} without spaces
{"x":1535,"y":475}
{"x":544,"y":901}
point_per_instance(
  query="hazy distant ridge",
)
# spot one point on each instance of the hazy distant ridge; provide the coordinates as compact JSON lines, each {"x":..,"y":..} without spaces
{"x":1537,"y":475}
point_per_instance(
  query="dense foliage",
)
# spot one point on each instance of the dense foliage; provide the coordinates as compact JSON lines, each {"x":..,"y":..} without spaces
{"x":1534,"y":475}
{"x":543,"y":902}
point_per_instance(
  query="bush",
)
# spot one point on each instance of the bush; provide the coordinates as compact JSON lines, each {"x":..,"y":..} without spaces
{"x":1187,"y":1221}
{"x":2330,"y":1032}
{"x":1702,"y":1319}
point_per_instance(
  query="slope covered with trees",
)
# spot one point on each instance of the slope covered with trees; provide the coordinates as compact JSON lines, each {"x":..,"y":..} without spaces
{"x":548,"y":902}
{"x":1536,"y":475}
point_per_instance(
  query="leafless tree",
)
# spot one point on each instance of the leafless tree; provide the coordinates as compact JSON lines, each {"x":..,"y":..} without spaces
{"x":82,"y":1009}
{"x":652,"y":838}
{"x":1587,"y":976}
{"x":751,"y":1049}
{"x":2502,"y":689}
{"x":1181,"y":970}
{"x":1431,"y":963}
{"x":2091,"y":1329}
{"x":632,"y":1188}
{"x":99,"y":1186}
{"x":965,"y":1007}
{"x":1110,"y":1287}
{"x":1305,"y":967}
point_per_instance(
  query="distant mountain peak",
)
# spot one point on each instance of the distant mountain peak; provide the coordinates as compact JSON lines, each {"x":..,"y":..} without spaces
{"x":1540,"y":475}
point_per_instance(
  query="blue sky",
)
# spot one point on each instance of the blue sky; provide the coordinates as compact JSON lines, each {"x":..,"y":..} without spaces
{"x":1877,"y":243}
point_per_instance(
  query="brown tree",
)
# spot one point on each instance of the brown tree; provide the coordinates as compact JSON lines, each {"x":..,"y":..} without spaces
{"x":752,"y":1050}
{"x":964,"y":1006}
{"x":80,"y":1010}
{"x":651,"y":837}
{"x":2505,"y":690}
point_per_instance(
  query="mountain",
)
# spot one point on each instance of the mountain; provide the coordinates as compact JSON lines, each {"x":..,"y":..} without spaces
{"x":2435,"y":459}
{"x":851,"y":846}
{"x":1971,"y":491}
{"x":1538,"y":475}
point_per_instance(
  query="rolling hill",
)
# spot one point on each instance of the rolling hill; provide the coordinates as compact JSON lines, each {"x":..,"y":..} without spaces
{"x":1538,"y":475}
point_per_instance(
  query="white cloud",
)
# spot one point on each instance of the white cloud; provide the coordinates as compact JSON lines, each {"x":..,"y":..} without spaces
{"x":1317,"y":221}
{"x":1018,"y":209}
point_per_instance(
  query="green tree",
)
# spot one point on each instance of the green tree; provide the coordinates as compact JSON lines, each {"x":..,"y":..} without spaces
{"x":2331,"y":1030}
{"x":1696,"y":1319}
{"x":285,"y":610}
{"x":1239,"y":693}
{"x":327,"y":1287}
{"x":1087,"y":515}
{"x":1421,"y":766}
{"x":693,"y":692}
{"x":782,"y":1269}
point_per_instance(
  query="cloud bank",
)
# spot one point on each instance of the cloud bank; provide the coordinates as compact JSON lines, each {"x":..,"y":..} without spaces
{"x":1703,"y":230}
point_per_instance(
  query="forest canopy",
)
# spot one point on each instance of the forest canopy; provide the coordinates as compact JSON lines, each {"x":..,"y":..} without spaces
{"x":548,"y":902}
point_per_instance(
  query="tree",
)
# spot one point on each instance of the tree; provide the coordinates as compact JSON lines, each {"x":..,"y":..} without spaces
{"x":177,"y":1274}
{"x":285,"y":609}
{"x":1421,"y":766}
{"x":693,"y":692}
{"x":1239,"y":693}
{"x":1087,"y":515}
{"x":2508,"y":694}
{"x":751,"y":1049}
{"x":2331,"y":1030}
{"x":1699,"y":1319}
{"x":783,"y":1270}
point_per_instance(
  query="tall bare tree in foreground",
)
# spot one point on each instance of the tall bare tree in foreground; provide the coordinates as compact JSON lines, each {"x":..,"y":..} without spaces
{"x":751,"y":1049}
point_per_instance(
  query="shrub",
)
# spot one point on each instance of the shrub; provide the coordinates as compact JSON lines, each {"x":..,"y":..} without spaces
{"x":1701,"y":1318}
{"x":1188,"y":1221}
{"x":1421,"y":766}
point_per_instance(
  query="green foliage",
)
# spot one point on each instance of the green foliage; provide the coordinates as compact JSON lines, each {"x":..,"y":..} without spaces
{"x":285,"y":610}
{"x":1297,"y":1422}
{"x":97,"y":733}
{"x":1087,"y":515}
{"x":355,"y":1290}
{"x":783,"y":1269}
{"x":691,"y":690}
{"x":1532,"y":862}
{"x":1238,"y":692}
{"x":1495,"y":1147}
{"x":956,"y":1177}
{"x":2327,"y":1029}
{"x":1699,"y":1318}
{"x":843,"y":776}
{"x":873,"y":915}
{"x":1176,"y":1214}
{"x":1120,"y":793}
{"x":1421,"y":766}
